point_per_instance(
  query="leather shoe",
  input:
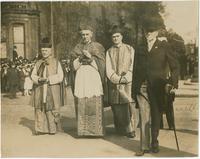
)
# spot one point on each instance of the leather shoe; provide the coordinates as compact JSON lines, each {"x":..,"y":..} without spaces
{"x":52,"y":133}
{"x":142,"y":152}
{"x":39,"y":133}
{"x":131,"y":134}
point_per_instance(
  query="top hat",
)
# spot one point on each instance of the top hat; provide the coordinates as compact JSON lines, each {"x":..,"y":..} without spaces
{"x":154,"y":23}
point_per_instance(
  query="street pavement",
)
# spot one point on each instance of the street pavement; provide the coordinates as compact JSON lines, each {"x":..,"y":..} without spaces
{"x":187,"y":89}
{"x":18,"y":139}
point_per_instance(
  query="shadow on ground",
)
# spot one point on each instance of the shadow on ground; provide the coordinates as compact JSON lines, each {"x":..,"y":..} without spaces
{"x":6,"y":95}
{"x":134,"y":145}
{"x":28,"y":123}
{"x":9,"y":96}
{"x":69,"y":127}
{"x":168,"y":152}
{"x":187,"y":131}
{"x":193,"y":132}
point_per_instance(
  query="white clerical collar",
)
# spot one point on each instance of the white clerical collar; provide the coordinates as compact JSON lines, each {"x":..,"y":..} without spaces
{"x":118,"y":45}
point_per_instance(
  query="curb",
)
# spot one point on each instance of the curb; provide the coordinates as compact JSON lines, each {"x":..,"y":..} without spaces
{"x":187,"y":95}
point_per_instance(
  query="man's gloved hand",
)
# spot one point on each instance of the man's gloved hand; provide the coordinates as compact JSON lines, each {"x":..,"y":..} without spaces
{"x":173,"y":91}
{"x":169,"y":89}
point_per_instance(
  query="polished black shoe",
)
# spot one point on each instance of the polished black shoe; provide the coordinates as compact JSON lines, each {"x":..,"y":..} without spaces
{"x":142,"y":152}
{"x":52,"y":133}
{"x":131,"y":134}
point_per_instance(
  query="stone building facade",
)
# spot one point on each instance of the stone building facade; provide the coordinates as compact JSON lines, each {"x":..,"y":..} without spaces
{"x":20,"y":28}
{"x":25,"y":24}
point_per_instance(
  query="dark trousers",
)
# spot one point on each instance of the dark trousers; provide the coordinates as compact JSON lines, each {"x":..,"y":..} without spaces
{"x":122,"y":118}
{"x":168,"y":110}
{"x":13,"y":90}
{"x":156,"y":92}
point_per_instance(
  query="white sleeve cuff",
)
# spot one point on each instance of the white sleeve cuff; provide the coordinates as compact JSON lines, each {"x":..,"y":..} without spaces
{"x":128,"y":76}
{"x":76,"y":64}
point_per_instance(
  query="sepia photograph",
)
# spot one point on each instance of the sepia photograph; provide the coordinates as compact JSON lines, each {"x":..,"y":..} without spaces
{"x":99,"y":79}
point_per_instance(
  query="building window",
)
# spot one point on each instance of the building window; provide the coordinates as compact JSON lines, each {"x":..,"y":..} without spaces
{"x":18,"y":39}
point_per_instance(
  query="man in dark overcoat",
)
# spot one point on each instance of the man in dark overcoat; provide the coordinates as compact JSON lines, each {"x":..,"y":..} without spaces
{"x":152,"y":58}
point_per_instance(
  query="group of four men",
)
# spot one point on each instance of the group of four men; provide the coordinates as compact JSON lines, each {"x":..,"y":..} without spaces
{"x":115,"y":78}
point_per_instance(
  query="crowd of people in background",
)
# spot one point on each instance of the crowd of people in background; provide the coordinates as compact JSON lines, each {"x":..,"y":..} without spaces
{"x":15,"y":76}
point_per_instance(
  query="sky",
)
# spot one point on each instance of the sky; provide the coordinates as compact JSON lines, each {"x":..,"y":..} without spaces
{"x":183,"y":18}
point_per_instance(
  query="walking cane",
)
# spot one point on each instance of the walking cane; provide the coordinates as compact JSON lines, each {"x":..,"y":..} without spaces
{"x":176,"y":138}
{"x":172,"y":97}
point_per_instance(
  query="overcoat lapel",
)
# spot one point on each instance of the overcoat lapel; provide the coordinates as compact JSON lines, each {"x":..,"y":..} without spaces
{"x":154,"y":45}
